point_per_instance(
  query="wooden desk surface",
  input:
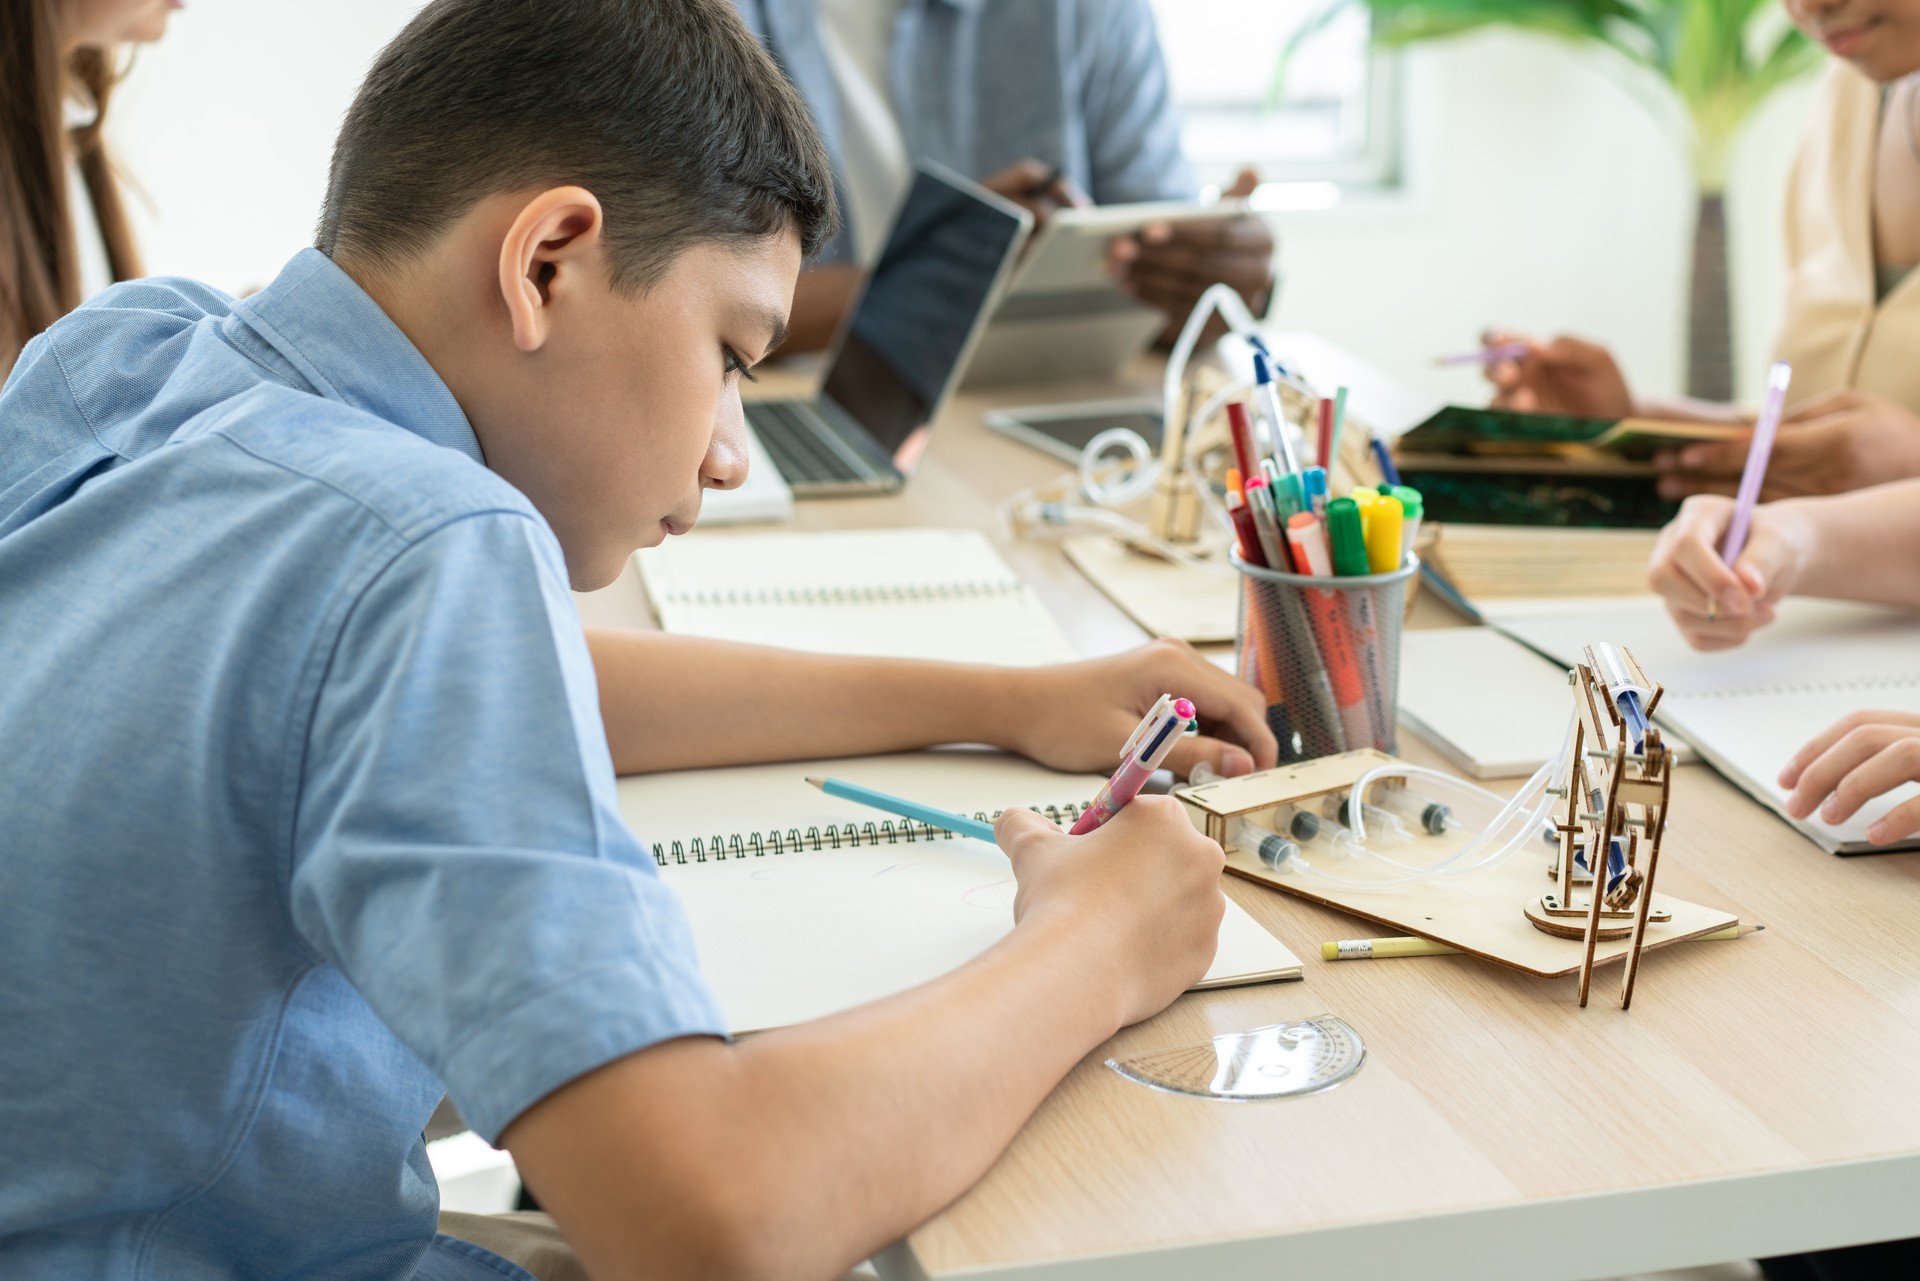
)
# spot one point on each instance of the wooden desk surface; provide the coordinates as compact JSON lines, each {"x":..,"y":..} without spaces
{"x":1761,"y":1097}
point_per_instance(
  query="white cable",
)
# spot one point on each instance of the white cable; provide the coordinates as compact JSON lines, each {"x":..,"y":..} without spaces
{"x":1135,"y":483}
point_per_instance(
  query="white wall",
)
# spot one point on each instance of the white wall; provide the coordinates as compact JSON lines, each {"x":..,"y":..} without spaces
{"x":226,"y":126}
{"x":1541,"y":192}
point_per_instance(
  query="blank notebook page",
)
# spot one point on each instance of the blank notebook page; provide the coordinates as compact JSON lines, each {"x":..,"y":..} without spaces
{"x":891,"y":593}
{"x":1747,"y":710}
{"x":803,"y":904}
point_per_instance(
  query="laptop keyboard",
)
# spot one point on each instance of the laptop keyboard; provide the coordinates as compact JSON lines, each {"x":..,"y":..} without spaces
{"x":792,"y":434}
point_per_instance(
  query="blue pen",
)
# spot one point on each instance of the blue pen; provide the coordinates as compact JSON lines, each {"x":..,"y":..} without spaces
{"x":1270,"y":391}
{"x":1387,"y":469}
{"x":943,"y":819}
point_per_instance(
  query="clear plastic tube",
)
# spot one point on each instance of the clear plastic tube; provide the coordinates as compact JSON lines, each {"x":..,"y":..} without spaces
{"x":1517,"y":822}
{"x":1427,"y":815}
{"x":1315,"y":833}
{"x":1384,"y":826}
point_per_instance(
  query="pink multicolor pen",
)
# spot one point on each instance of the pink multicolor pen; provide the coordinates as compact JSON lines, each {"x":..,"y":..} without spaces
{"x":1145,"y":749}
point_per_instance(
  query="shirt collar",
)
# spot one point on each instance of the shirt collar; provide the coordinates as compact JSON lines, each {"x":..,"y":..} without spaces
{"x":349,"y":350}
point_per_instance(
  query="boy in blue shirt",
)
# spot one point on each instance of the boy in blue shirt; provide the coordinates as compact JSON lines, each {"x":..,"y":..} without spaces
{"x":308,"y":812}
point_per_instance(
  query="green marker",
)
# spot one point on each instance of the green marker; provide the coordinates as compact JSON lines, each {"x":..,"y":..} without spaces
{"x":1411,"y":509}
{"x":1349,"y":544}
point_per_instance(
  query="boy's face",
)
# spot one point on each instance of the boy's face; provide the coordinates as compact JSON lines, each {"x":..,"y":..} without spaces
{"x":630,"y":409}
{"x":1880,"y":37}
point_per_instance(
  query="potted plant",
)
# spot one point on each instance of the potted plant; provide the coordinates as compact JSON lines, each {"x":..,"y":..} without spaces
{"x":1720,"y":60}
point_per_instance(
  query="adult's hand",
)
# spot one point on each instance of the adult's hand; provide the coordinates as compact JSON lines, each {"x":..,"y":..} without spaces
{"x":1037,"y":187}
{"x":1170,"y":264}
{"x":1561,"y":376}
{"x":1844,"y":440}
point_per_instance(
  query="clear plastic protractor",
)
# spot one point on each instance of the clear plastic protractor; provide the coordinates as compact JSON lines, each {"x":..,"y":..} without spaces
{"x":1272,"y":1062}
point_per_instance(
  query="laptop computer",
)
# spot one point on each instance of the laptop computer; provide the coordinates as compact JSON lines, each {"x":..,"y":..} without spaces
{"x":901,"y":350}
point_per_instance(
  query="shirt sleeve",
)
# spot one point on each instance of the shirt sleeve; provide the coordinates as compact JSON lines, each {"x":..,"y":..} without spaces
{"x":1132,"y":128}
{"x":459,"y":855}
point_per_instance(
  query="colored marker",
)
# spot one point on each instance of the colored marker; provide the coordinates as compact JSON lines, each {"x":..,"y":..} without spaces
{"x":1339,"y":422}
{"x":1140,"y":756}
{"x":958,"y":824}
{"x":1412,"y":506}
{"x":1347,"y":541}
{"x":1240,"y":429}
{"x":1244,"y":532}
{"x":1309,"y":543}
{"x":1385,"y":524}
{"x":1350,"y":561}
{"x":1313,"y":484}
{"x":1323,"y":445}
{"x":1266,"y":525}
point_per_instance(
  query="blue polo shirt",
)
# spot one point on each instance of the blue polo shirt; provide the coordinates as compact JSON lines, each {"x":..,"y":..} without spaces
{"x":306,"y":810}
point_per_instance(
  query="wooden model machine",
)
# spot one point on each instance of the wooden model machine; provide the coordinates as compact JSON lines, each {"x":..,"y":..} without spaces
{"x":1612,"y":813}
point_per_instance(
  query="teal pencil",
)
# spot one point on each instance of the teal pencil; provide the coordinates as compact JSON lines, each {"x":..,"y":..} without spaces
{"x":927,"y":814}
{"x":1339,"y":421}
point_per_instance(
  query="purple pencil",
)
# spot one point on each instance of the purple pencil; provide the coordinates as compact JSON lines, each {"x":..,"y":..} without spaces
{"x":1486,"y":355}
{"x":1757,"y":455}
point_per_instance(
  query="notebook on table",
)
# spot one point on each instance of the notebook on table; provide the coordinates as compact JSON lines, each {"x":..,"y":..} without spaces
{"x":1747,"y":710}
{"x":1490,"y":705}
{"x":892,"y":593}
{"x":803,"y":905}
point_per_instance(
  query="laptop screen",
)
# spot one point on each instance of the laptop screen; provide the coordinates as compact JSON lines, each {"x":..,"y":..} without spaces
{"x":928,"y":293}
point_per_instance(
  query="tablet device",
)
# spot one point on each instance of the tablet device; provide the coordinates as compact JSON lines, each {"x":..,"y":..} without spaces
{"x":1063,"y":316}
{"x":1065,"y":430}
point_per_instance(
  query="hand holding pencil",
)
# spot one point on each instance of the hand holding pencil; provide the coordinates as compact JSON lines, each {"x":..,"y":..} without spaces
{"x":1716,"y":605}
{"x":1563,"y":375}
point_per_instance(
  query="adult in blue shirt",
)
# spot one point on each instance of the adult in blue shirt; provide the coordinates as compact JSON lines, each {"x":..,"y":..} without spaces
{"x":1048,"y":102}
{"x":308,"y":809}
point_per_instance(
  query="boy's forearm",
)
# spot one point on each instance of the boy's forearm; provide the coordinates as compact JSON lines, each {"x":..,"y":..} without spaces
{"x":681,"y":702}
{"x":798,"y":1152}
{"x":1863,"y":546}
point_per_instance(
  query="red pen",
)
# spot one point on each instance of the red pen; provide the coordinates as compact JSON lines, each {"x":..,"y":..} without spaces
{"x":1240,"y":428}
{"x":1244,"y":532}
{"x":1325,"y":443}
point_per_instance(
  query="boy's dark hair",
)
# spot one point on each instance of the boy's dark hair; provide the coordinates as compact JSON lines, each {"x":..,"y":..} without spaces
{"x":668,"y":111}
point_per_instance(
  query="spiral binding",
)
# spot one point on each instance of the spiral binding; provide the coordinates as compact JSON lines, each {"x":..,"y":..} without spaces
{"x":881,"y":595}
{"x":718,"y":848}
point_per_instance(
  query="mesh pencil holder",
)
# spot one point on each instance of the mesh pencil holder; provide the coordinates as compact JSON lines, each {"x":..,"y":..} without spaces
{"x":1326,"y":653}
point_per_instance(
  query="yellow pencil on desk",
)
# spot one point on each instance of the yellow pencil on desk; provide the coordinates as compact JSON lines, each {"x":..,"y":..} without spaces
{"x":1368,"y":949}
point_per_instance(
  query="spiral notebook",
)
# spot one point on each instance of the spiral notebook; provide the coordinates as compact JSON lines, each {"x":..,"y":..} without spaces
{"x":803,"y":905}
{"x":890,"y":593}
{"x":1747,"y":710}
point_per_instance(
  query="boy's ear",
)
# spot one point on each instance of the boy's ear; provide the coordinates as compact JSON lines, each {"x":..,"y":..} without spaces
{"x":551,"y":248}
